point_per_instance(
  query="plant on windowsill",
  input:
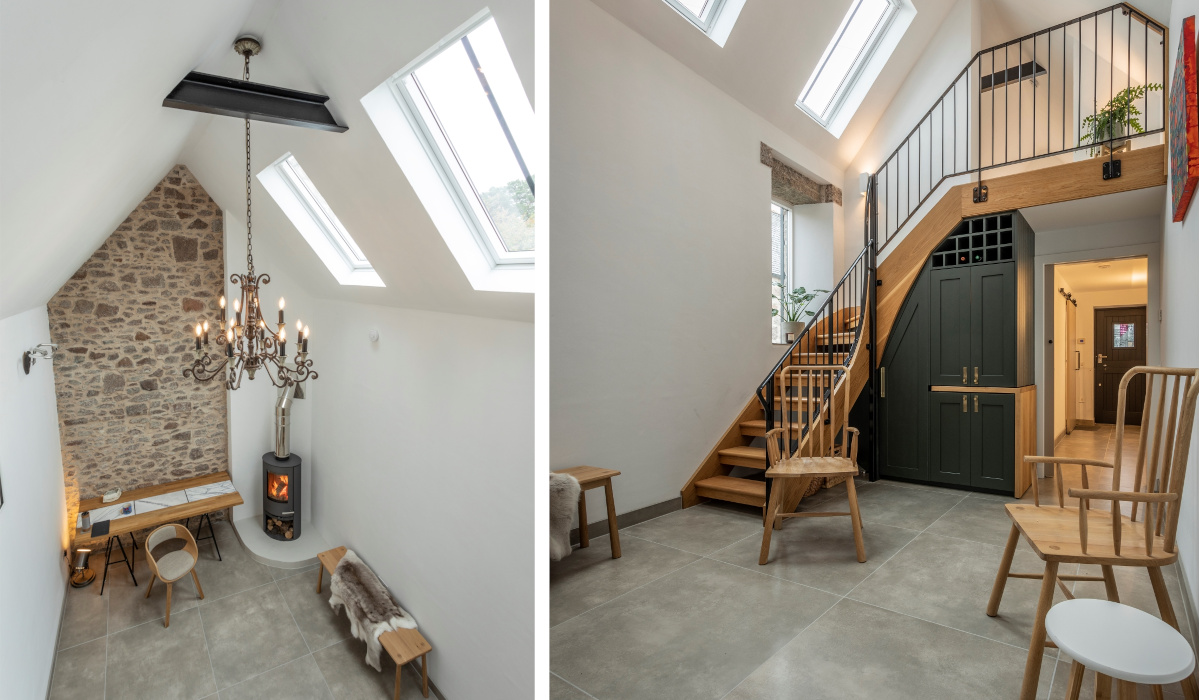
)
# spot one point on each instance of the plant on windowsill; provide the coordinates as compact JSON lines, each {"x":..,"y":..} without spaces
{"x":1117,"y":120}
{"x":793,"y":307}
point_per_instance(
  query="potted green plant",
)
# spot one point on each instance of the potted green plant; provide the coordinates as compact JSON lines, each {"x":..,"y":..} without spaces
{"x":793,"y":307}
{"x":1117,"y":120}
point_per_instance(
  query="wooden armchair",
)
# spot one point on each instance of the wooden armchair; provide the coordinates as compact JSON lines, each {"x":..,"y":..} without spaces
{"x":1081,"y":534}
{"x":822,"y":396}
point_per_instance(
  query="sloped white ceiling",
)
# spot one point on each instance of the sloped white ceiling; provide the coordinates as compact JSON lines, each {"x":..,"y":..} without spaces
{"x":774,"y":47}
{"x":85,"y":135}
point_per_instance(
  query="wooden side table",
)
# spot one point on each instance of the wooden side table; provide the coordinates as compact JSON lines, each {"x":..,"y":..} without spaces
{"x":403,"y":646}
{"x":593,"y":478}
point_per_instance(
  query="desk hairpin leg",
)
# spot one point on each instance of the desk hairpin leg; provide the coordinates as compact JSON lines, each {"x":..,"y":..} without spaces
{"x":124,"y":558}
{"x":212,"y":535}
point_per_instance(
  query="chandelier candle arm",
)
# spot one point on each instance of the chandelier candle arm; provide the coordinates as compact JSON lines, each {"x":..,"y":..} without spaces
{"x":249,"y":344}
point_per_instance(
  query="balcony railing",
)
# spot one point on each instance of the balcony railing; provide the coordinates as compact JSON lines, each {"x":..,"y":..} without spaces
{"x":1038,"y":96}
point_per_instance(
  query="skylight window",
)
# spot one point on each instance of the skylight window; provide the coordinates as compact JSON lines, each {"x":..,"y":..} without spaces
{"x":460,"y":125}
{"x":295,"y":193}
{"x":713,"y":17}
{"x":843,"y":68}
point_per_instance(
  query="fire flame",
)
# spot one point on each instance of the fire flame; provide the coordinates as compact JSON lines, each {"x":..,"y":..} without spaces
{"x":277,"y":487}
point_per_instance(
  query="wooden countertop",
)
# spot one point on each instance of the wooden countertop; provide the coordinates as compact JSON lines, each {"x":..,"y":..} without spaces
{"x":133,"y":523}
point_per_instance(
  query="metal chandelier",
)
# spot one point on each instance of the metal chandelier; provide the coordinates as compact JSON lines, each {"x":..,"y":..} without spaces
{"x":249,"y":344}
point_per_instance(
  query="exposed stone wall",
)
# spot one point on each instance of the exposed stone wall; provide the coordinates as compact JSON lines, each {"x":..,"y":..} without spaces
{"x":124,"y":325}
{"x":792,"y":186}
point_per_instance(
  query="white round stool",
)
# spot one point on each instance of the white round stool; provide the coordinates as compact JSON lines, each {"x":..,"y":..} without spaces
{"x":1118,"y":641}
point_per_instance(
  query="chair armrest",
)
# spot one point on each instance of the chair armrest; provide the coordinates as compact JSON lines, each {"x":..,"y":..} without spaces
{"x":853,"y":444}
{"x":1067,"y":460}
{"x":1134,"y":496}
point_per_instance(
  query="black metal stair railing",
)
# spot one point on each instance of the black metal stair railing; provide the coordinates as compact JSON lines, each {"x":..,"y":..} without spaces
{"x":1034,"y":97}
{"x":830,"y":338}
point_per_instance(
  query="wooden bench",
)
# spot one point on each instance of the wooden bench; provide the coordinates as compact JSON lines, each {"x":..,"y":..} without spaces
{"x":403,"y":645}
{"x":593,"y":478}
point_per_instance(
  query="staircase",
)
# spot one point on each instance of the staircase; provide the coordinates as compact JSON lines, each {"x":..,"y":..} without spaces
{"x":734,"y":470}
{"x":869,"y":296}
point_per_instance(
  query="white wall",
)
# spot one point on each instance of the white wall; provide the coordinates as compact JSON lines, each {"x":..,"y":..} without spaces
{"x":251,"y":408}
{"x":1181,"y":331}
{"x":423,"y":443}
{"x":660,"y":329}
{"x":33,"y":518}
{"x":813,"y":241}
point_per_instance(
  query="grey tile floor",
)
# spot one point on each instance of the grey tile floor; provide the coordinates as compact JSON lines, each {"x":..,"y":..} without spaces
{"x":687,"y":612}
{"x":259,"y":633}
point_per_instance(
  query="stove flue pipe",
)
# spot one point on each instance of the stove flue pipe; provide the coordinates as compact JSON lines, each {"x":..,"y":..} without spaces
{"x":283,"y":428}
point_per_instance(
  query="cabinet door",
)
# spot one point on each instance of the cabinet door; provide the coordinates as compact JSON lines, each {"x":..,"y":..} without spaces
{"x":903,"y":420}
{"x":994,"y":325}
{"x":949,"y":325}
{"x":950,"y":458}
{"x":993,"y":441}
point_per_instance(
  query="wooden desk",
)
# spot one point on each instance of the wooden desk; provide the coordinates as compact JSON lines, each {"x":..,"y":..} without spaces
{"x":593,"y":478}
{"x":162,"y":516}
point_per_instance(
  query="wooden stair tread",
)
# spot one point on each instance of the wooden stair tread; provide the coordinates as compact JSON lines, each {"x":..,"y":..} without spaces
{"x":754,"y":428}
{"x":749,"y":492}
{"x":744,"y":456}
{"x":841,"y":337}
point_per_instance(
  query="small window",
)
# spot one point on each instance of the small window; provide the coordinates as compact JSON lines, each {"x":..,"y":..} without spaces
{"x":713,"y":17}
{"x":460,"y":125}
{"x":298,"y":197}
{"x":781,"y":227}
{"x":1123,"y":335}
{"x":861,"y":32}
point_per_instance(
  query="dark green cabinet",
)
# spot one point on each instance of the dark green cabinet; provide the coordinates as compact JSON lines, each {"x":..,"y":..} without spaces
{"x":967,"y":323}
{"x":949,"y":438}
{"x":993,"y":441}
{"x":973,"y":334}
{"x":994,"y":325}
{"x":972,"y":438}
{"x":903,"y":422}
{"x":950,"y":326}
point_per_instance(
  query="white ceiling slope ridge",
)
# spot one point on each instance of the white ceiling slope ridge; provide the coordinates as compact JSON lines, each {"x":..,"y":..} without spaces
{"x":85,"y":135}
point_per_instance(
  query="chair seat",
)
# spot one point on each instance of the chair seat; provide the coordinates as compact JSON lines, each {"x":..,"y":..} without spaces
{"x":813,"y":466}
{"x":1053,"y":533}
{"x":1120,"y":641}
{"x":174,"y":565}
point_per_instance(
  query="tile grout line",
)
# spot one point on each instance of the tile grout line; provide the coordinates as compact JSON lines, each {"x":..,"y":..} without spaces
{"x":564,"y":680}
{"x":630,"y":590}
{"x":107,"y":607}
{"x":303,"y":638}
{"x":207,"y":651}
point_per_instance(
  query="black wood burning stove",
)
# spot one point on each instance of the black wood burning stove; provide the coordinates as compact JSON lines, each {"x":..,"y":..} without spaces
{"x":281,"y":496}
{"x":281,"y":477}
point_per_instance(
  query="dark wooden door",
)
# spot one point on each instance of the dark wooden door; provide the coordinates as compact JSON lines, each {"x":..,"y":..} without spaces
{"x":1120,"y":344}
{"x":993,"y":440}
{"x":903,"y":419}
{"x":950,"y":459}
{"x":994,"y":325}
{"x":950,"y":326}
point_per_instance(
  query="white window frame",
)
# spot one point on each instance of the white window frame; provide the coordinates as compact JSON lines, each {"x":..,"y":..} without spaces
{"x":786,"y":254}
{"x":719,"y":23}
{"x":312,"y":216}
{"x":866,"y":67}
{"x":458,"y":216}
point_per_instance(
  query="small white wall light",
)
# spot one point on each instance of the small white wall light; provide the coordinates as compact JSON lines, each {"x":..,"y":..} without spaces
{"x":373,"y":335}
{"x":864,"y":179}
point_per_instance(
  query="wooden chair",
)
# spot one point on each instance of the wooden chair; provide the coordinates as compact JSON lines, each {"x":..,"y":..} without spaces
{"x":829,"y":448}
{"x":173,"y":565}
{"x":1082,"y":535}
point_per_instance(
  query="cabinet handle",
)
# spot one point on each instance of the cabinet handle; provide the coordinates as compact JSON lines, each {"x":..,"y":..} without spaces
{"x":883,"y":382}
{"x":964,"y":403}
{"x":964,"y":375}
{"x":977,"y":375}
{"x":977,"y":403}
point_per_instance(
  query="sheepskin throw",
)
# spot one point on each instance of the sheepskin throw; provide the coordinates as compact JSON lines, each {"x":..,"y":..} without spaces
{"x":564,"y":499}
{"x":368,"y":604}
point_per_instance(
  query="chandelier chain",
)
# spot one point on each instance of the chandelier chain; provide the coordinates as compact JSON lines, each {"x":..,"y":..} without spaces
{"x":249,"y":230}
